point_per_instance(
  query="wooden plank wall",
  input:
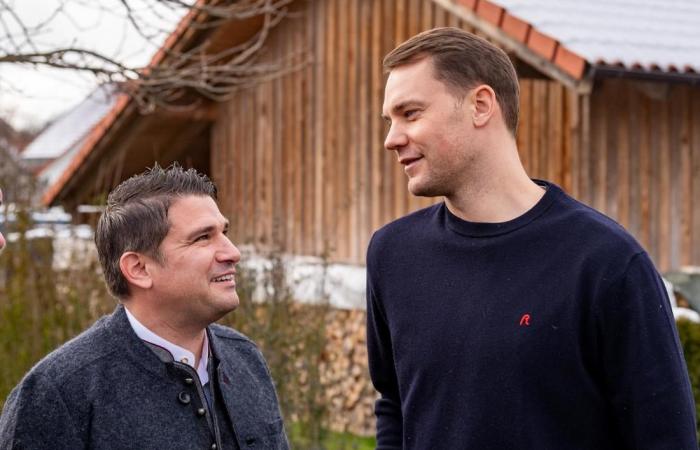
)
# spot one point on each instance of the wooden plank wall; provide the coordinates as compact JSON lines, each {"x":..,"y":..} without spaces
{"x":643,"y":164}
{"x":301,"y":165}
{"x":548,"y":131}
{"x":299,"y":160}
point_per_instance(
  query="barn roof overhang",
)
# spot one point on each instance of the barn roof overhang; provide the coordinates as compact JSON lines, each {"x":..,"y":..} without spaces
{"x":127,"y":139}
{"x":515,"y":26}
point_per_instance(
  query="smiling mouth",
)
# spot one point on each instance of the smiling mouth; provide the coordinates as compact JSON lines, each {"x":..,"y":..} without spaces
{"x":409,"y":161}
{"x":223,"y":278}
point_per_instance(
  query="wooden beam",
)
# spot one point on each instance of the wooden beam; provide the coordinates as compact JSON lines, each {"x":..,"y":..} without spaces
{"x":206,"y":113}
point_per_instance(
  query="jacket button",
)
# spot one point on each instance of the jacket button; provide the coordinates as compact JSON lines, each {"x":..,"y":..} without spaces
{"x":250,"y":442}
{"x":184,"y":397}
{"x":213,"y":446}
{"x":189,"y":380}
{"x":201,"y":412}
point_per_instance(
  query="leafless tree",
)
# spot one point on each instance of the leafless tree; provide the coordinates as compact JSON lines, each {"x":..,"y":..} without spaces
{"x":15,"y":179}
{"x":178,"y":73}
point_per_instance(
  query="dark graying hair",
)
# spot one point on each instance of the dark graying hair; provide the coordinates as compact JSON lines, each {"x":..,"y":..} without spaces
{"x":136,"y":217}
{"x":462,"y":61}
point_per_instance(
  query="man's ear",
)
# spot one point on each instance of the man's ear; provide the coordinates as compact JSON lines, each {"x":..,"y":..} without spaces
{"x":485,"y":104}
{"x":134,"y":268}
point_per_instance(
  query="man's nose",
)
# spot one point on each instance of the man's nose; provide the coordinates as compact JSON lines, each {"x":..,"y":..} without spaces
{"x":395,"y":138}
{"x":229,"y":252}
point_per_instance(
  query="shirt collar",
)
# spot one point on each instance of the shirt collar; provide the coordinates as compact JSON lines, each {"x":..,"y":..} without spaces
{"x":179,"y":354}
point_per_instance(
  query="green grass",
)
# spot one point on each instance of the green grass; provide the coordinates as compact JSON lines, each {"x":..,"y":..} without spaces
{"x":331,"y":441}
{"x":338,"y":441}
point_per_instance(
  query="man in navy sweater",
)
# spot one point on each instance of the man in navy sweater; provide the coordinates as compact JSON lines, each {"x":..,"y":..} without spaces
{"x":510,"y":316}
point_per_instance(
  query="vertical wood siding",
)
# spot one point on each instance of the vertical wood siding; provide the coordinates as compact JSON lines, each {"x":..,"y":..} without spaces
{"x":644,"y":163}
{"x":300,"y":161}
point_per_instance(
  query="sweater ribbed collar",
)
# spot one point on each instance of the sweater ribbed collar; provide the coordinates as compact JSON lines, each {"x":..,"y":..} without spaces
{"x":482,"y":229}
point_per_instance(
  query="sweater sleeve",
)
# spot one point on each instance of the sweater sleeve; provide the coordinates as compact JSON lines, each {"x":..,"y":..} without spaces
{"x":36,"y":417}
{"x":645,"y":374}
{"x":382,"y":370}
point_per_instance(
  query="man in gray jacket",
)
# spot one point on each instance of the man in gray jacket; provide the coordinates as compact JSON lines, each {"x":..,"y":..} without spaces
{"x":156,"y":373}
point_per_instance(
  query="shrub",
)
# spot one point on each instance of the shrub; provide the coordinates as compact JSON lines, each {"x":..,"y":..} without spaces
{"x":40,"y":308}
{"x":292,"y":338}
{"x":689,"y":333}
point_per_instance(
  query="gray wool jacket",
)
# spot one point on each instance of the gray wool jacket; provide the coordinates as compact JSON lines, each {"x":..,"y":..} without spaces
{"x":106,"y":389}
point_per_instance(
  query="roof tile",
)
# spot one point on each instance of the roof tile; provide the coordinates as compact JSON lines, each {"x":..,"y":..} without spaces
{"x":542,"y":44}
{"x":515,"y":28}
{"x":569,"y":62}
{"x":658,"y":35}
{"x":490,"y":12}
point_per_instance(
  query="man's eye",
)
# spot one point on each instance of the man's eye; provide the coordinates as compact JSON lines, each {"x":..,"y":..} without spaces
{"x":410,"y":113}
{"x":202,"y":238}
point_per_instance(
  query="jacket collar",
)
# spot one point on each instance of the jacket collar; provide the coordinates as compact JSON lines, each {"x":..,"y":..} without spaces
{"x":122,"y":336}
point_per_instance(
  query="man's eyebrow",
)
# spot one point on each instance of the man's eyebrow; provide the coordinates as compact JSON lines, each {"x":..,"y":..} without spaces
{"x":205,"y":230}
{"x":200,"y":231}
{"x":402,"y":106}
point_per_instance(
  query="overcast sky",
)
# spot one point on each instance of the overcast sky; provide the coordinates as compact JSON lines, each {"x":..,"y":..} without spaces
{"x":29,"y":97}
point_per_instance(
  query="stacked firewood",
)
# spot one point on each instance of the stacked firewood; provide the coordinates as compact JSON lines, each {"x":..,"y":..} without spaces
{"x":344,"y":374}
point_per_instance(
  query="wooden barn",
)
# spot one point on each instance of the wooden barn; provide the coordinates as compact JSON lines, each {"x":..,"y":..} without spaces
{"x":610,"y":111}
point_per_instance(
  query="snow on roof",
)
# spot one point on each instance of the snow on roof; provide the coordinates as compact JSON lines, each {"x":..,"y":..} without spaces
{"x":637,"y":34}
{"x":71,"y":128}
{"x":53,"y":171}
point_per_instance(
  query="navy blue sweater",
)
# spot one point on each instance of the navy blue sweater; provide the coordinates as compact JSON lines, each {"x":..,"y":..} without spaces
{"x":550,"y":331}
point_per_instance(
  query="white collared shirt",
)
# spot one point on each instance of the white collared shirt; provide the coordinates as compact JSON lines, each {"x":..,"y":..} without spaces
{"x":179,"y":354}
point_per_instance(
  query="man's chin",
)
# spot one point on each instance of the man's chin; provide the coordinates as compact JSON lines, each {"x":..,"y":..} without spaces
{"x":220,"y":308}
{"x":229,"y":305}
{"x":419,"y":189}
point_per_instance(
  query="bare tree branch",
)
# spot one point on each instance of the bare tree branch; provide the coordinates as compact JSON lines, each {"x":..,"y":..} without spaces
{"x":135,"y":22}
{"x":181,"y":72}
{"x":25,"y":31}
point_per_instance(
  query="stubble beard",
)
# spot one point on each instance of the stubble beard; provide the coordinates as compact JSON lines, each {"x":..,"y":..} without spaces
{"x":226,"y":306}
{"x":429,"y":185}
{"x":423,"y":191}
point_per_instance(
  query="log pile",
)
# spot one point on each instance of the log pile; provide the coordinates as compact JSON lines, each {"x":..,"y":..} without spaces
{"x":345,"y":376}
